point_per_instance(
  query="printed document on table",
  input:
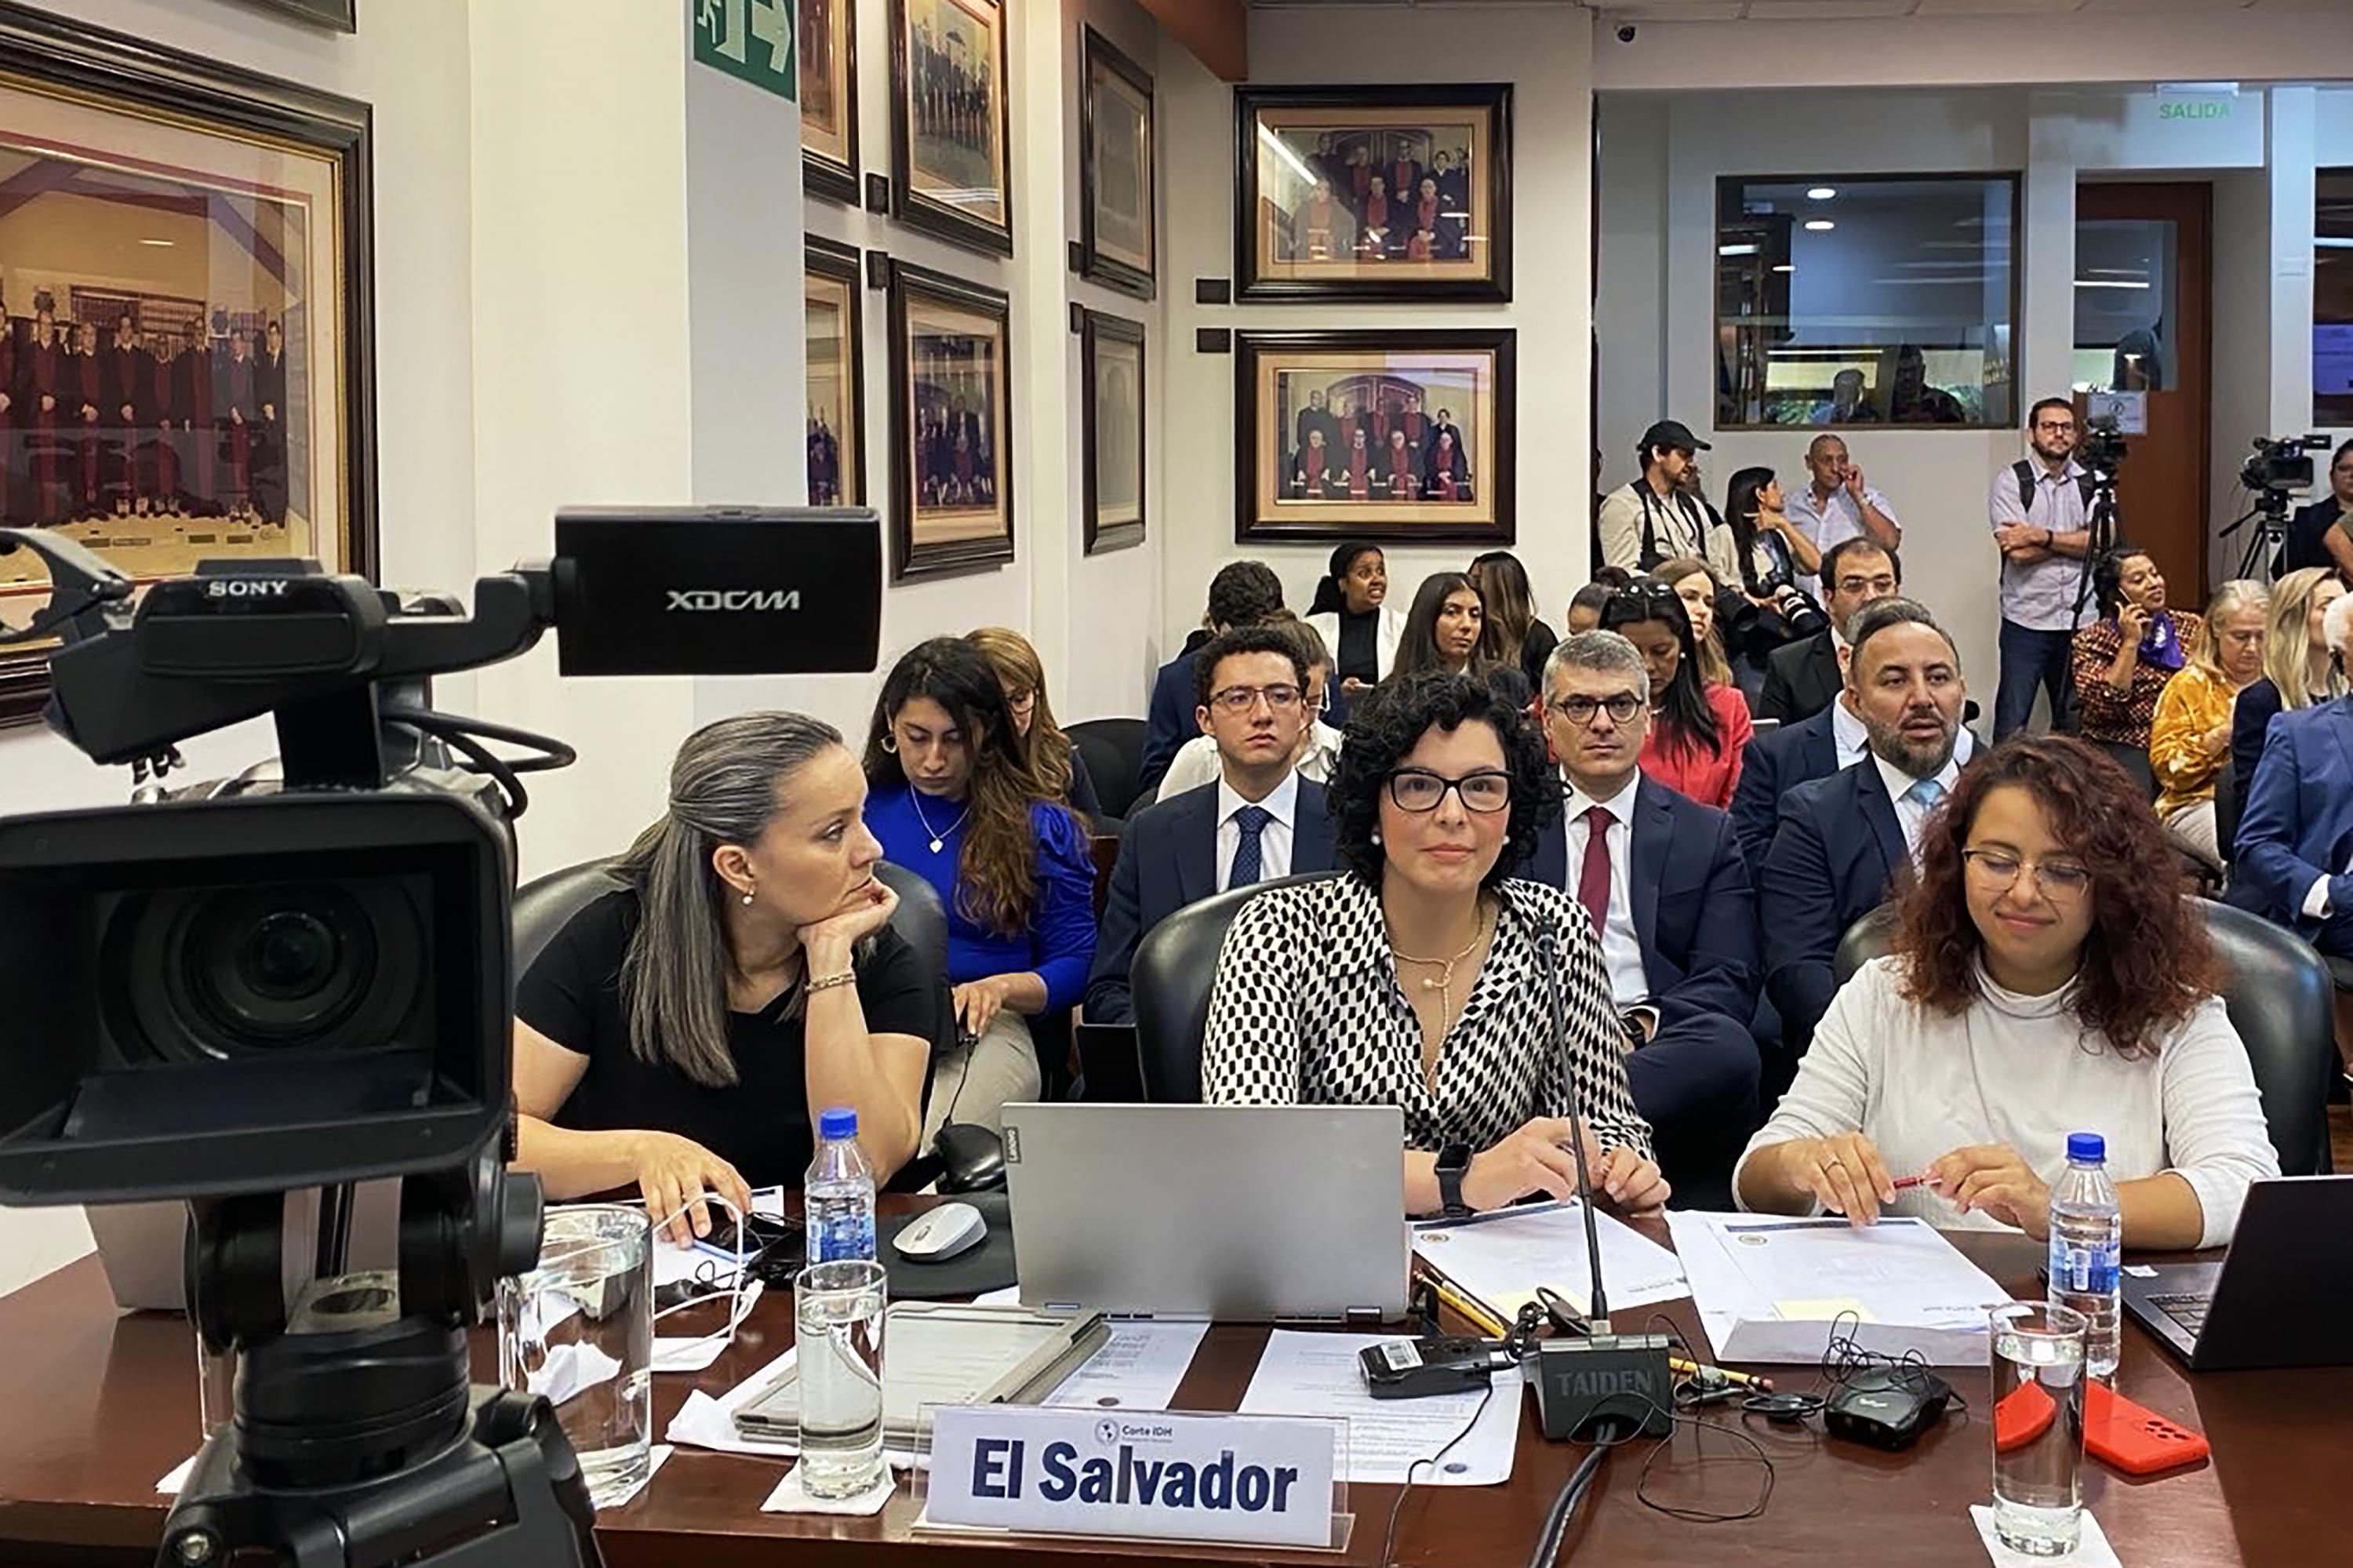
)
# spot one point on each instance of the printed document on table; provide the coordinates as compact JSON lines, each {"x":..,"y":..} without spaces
{"x":1501,"y":1257}
{"x":1769,"y":1287}
{"x":1302,"y":1373}
{"x":1138,"y":1368}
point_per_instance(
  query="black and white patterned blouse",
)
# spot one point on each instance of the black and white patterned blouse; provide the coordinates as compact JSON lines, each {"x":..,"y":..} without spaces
{"x":1307,"y":1010}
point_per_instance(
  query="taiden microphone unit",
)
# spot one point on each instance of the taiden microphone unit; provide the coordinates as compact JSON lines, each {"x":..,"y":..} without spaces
{"x":1620,"y":1378}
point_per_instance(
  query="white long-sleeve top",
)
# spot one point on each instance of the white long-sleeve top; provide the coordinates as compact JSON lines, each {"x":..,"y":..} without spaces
{"x":2023,"y":1070}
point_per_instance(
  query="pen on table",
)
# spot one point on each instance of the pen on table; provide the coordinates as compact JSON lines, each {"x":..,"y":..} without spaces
{"x":1744,"y":1380}
{"x":1485,"y":1321}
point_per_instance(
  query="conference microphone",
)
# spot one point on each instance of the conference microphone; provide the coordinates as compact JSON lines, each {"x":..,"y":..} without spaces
{"x":1599,"y":1381}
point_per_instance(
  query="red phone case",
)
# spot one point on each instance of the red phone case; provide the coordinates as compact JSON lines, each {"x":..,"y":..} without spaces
{"x":2021,"y":1415}
{"x":2133,"y":1437}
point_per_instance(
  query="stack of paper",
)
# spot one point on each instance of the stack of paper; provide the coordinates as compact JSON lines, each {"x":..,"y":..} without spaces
{"x":1769,"y":1289}
{"x":1501,"y":1257}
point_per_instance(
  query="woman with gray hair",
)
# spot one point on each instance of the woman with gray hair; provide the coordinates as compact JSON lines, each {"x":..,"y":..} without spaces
{"x":682,"y":1032}
{"x":2190,"y":735}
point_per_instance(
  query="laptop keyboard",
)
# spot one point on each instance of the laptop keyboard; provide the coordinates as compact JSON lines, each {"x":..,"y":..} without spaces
{"x":2186,"y":1307}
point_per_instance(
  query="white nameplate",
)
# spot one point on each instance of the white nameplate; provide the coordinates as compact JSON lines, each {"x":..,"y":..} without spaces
{"x":1263,"y":1480}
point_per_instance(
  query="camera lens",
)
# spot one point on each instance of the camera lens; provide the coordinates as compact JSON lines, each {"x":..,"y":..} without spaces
{"x":291,"y":953}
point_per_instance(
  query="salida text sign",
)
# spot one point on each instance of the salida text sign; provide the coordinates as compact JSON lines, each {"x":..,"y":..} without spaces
{"x":1263,"y":1480}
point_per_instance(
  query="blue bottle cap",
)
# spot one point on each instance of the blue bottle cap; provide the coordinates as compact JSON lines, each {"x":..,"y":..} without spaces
{"x":2087,"y":1147}
{"x":841,"y":1121}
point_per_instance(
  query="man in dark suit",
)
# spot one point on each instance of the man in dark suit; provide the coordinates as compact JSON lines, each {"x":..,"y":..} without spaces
{"x":1845,"y":842}
{"x":1243,"y":593}
{"x":1259,"y":822}
{"x":1801,"y":679}
{"x":1661,"y":880}
{"x":1776,"y":762}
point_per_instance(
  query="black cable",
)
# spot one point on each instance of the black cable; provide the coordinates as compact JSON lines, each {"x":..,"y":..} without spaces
{"x":1572,"y":1493}
{"x":465,"y":735}
{"x":1388,"y":1536}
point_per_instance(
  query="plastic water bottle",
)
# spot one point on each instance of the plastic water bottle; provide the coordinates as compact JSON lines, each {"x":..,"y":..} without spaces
{"x":840,"y":1193}
{"x":2086,"y":1247}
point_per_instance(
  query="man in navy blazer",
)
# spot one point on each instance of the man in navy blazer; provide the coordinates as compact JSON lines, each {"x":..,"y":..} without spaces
{"x":1661,"y":880}
{"x":1776,"y":762}
{"x":1844,"y":842}
{"x":1259,"y":821}
{"x":1243,"y":593}
{"x":2295,"y":841}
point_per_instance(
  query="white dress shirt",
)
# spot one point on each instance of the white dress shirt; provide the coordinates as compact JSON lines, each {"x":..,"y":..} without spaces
{"x":1196,"y":762}
{"x":1911,"y":812}
{"x":1833,"y":522}
{"x":1847,"y":729}
{"x":1274,"y":840}
{"x":2041,"y":597}
{"x":1621,"y":950}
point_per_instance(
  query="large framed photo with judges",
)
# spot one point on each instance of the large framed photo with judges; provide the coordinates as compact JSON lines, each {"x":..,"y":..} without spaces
{"x":833,"y":317}
{"x":951,"y":425}
{"x":186,"y":364}
{"x":1372,"y":193}
{"x":1398,"y":437}
{"x":951,"y":126}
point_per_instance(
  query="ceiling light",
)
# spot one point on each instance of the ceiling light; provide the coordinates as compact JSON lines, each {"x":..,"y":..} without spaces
{"x":1785,"y":267}
{"x":1819,"y":226}
{"x":165,"y":244}
{"x":2108,"y":283}
{"x":1821,"y":193}
{"x":1736,"y":250}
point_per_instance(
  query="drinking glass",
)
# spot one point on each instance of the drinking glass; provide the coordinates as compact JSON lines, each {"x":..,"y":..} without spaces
{"x":578,"y":1328}
{"x":837,"y":1314}
{"x":2038,"y":1426}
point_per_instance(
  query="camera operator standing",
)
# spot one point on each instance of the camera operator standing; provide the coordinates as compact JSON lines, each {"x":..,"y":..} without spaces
{"x":2039,"y":513}
{"x":2321,"y":535}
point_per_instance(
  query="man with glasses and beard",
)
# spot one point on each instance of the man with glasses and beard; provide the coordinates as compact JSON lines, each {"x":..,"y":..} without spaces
{"x":1844,"y":842}
{"x":1260,"y":822}
{"x":2040,"y":512}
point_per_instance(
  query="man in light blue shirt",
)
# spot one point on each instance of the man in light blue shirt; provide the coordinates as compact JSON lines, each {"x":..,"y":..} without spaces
{"x":2038,"y":510}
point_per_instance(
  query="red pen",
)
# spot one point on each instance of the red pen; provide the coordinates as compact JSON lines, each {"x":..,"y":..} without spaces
{"x":1903,"y":1181}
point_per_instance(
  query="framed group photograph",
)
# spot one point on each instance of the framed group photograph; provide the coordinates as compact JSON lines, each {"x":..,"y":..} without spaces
{"x":1372,"y":193}
{"x":186,"y":314}
{"x":1402,"y":437}
{"x":832,"y":317}
{"x":1111,"y":408}
{"x":950,"y":131}
{"x":1115,"y":169}
{"x":951,"y":425}
{"x":828,"y":42}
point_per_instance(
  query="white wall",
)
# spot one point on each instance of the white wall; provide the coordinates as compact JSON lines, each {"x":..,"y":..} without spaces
{"x":1545,"y":53}
{"x":414,"y":75}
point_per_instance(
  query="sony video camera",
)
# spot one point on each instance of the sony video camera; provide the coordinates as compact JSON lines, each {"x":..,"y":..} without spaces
{"x":2102,"y":448}
{"x":2278,"y":465}
{"x":240,"y":991}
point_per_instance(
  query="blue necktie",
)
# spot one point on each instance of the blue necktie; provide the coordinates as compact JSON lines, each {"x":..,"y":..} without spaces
{"x":1925,"y":792}
{"x":1249,"y":863}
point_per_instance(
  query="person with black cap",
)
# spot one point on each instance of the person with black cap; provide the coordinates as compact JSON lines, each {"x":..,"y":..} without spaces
{"x":1659,"y":516}
{"x":1351,"y":612}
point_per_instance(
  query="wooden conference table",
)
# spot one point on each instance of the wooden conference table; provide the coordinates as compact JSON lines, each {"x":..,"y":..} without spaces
{"x":95,"y":1404}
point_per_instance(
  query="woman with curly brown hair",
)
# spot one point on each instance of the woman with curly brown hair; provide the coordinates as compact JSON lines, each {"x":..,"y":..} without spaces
{"x":2047,"y":978}
{"x":1048,"y":750}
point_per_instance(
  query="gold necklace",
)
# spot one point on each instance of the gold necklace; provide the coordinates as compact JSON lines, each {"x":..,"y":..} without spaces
{"x":1443,"y":984}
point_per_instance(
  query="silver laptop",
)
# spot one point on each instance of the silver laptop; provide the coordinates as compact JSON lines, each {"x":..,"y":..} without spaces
{"x":1233,"y":1212}
{"x":143,"y":1246}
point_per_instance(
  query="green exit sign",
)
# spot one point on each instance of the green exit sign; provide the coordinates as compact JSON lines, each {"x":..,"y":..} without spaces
{"x":749,"y":39}
{"x":2194,"y":109}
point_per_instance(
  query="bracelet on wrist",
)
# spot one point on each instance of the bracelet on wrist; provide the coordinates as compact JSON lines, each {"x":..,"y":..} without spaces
{"x":826,"y":982}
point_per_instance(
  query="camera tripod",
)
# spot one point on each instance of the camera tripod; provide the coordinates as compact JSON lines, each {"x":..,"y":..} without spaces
{"x":367,"y":1445}
{"x":2102,"y":529}
{"x":2269,"y":516}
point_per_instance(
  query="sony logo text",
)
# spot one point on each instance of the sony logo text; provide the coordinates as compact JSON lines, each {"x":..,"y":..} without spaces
{"x":244,"y":588}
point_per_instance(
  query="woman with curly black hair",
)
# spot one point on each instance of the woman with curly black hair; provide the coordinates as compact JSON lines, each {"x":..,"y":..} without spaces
{"x":2124,"y":660}
{"x":2047,"y":979}
{"x":1416,"y":978}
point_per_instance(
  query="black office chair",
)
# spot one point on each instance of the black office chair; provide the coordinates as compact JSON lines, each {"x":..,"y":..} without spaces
{"x":1114,"y":748}
{"x":2277,"y":993}
{"x":1176,"y":966}
{"x":2133,"y":761}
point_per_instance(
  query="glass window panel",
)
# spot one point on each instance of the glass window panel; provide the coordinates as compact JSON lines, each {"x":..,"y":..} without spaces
{"x":2125,"y":275}
{"x":2332,"y":299}
{"x":1845,"y":300}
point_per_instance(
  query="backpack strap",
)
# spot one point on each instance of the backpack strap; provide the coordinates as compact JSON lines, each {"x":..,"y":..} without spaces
{"x":2025,"y":473}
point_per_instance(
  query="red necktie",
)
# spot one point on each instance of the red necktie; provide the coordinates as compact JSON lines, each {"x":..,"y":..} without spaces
{"x":1593,"y":877}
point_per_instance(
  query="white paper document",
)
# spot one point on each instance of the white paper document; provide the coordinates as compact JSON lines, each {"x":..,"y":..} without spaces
{"x":1501,"y":1257}
{"x":1302,"y":1373}
{"x":1138,"y":1368}
{"x":703,"y":1422}
{"x":1769,"y":1287}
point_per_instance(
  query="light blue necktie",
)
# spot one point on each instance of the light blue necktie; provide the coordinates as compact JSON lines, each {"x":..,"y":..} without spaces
{"x":1925,"y":793}
{"x":1248,"y":861}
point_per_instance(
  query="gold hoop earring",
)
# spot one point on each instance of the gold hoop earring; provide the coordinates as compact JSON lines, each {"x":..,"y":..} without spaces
{"x":890,"y":742}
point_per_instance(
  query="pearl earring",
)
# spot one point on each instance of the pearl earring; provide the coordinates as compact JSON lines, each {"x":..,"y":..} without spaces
{"x":1377,"y":835}
{"x":748,"y":898}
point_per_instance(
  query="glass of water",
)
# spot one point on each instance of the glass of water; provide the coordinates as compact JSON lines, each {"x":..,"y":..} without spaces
{"x":578,"y":1328}
{"x":2038,"y":1426}
{"x":838,"y":1309}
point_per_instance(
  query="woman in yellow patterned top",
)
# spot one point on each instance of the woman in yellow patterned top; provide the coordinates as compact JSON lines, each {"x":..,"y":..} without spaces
{"x":2189,"y":738}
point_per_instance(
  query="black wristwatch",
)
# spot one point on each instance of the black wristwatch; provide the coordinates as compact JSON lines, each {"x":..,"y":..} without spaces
{"x":1452,"y":1161}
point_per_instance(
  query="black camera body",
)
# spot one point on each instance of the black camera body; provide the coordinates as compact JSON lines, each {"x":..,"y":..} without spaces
{"x":2281,"y":463}
{"x":2102,"y":448}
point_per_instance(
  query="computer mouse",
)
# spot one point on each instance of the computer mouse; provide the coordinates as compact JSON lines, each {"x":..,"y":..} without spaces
{"x":941,"y":1233}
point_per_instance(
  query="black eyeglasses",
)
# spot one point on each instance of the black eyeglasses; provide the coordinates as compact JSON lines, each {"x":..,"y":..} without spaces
{"x":1418,"y":789}
{"x":1580,"y":709}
